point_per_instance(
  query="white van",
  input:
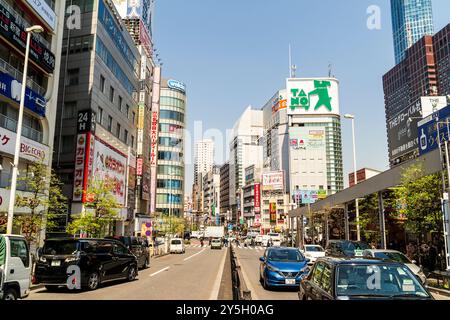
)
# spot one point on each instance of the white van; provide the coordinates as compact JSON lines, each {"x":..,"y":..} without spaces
{"x":15,"y":267}
{"x":176,"y":246}
{"x":276,"y":239}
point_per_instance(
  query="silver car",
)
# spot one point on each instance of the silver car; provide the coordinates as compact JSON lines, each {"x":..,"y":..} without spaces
{"x":398,"y":257}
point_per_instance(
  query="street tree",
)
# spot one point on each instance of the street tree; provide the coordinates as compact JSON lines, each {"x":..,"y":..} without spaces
{"x":43,"y":201}
{"x":101,"y":211}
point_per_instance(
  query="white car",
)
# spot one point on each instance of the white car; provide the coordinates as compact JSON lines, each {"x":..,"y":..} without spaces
{"x":398,"y":257}
{"x":177,"y":246}
{"x":258,"y":240}
{"x":312,"y":252}
{"x":216,"y":243}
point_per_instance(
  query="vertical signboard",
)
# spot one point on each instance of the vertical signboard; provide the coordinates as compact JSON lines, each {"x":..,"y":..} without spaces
{"x":257,"y":197}
{"x":154,"y":137}
{"x":428,"y":130}
{"x":273,"y":213}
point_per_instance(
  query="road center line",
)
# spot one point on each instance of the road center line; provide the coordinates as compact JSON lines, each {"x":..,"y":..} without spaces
{"x":216,"y":288}
{"x":162,"y":270}
{"x":186,"y":259}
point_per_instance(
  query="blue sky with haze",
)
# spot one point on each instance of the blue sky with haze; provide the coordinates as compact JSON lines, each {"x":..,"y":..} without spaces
{"x":234,"y":53}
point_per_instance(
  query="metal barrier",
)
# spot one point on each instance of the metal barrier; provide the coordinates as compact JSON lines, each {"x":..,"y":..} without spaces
{"x":240,"y":290}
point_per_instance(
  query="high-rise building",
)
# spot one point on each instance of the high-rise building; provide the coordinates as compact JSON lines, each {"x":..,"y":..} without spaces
{"x":245,"y":150}
{"x":97,"y":115}
{"x":225,"y":189}
{"x":211,"y":195}
{"x":39,"y":117}
{"x":411,"y":20}
{"x":315,"y":141}
{"x":204,"y":158}
{"x":171,"y":164}
{"x":410,"y":88}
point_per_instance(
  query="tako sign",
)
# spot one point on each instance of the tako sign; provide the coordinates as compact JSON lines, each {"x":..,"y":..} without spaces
{"x":313,"y":96}
{"x":177,"y":85}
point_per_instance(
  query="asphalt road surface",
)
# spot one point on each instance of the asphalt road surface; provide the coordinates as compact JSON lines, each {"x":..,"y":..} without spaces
{"x":248,"y":259}
{"x":195,"y":275}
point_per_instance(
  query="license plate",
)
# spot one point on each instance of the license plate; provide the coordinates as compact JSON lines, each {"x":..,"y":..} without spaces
{"x":290,"y":281}
{"x":56,"y":263}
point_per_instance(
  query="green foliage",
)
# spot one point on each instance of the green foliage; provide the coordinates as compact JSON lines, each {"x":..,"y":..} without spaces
{"x":173,"y":225}
{"x":101,"y":211}
{"x":420,"y":196}
{"x":43,"y":200}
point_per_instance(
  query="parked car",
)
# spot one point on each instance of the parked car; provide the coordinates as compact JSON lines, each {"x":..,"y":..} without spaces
{"x":334,"y":278}
{"x":345,"y":248}
{"x":282,"y":267}
{"x":216,"y":243}
{"x":99,"y":260}
{"x":139,"y":246}
{"x":15,"y":267}
{"x":177,"y":246}
{"x":312,"y":252}
{"x":398,"y":257}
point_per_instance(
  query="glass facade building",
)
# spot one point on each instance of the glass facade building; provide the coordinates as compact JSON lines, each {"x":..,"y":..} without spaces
{"x":170,"y":174}
{"x":411,"y":20}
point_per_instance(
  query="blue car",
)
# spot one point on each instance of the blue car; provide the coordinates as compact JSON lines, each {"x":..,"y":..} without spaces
{"x":282,"y":267}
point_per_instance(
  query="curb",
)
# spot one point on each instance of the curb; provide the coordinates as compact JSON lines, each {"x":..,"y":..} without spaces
{"x":439,"y":291}
{"x":40,"y":286}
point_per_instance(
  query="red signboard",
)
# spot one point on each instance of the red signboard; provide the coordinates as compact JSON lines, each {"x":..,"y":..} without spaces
{"x":140,"y":163}
{"x":257,"y":197}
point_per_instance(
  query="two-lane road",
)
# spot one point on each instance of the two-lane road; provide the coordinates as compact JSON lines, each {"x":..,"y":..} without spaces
{"x":195,"y":275}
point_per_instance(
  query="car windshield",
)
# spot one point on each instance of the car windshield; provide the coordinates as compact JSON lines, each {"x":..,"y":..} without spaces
{"x":66,"y":247}
{"x":377,"y":280}
{"x":287,"y":255}
{"x":350,"y":247}
{"x":394,"y":256}
{"x":176,"y":242}
{"x":314,"y":249}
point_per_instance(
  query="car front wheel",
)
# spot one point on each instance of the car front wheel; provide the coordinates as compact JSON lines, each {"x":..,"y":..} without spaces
{"x":131,"y":276}
{"x":10,"y":294}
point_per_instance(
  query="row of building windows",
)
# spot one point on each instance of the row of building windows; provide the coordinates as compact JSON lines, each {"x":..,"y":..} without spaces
{"x":169,"y":184}
{"x":169,"y":198}
{"x":171,"y":115}
{"x":169,"y":128}
{"x":84,"y":5}
{"x":170,"y":156}
{"x":171,"y":170}
{"x":31,"y":127}
{"x":170,"y":142}
{"x":172,"y":102}
{"x":78,"y":44}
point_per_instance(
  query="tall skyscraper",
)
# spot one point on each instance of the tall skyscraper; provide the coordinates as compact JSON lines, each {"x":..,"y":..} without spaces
{"x":411,"y":20}
{"x":204,"y":158}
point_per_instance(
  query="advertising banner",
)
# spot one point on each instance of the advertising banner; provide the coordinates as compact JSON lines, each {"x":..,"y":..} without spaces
{"x":428,"y":130}
{"x":44,"y":11}
{"x":312,"y":96}
{"x":154,"y":137}
{"x":78,"y":179}
{"x":306,"y":138}
{"x":13,"y":30}
{"x":110,"y":165}
{"x":11,"y":88}
{"x":273,"y":213}
{"x":306,"y":196}
{"x":273,"y":181}
{"x":257,"y":198}
{"x":257,"y":222}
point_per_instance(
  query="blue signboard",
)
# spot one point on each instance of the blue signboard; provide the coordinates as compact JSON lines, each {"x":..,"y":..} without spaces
{"x":305,"y":196}
{"x":11,"y":88}
{"x":428,"y":130}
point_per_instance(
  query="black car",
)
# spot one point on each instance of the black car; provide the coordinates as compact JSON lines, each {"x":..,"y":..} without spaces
{"x":99,"y":261}
{"x":345,"y":248}
{"x":139,"y":246}
{"x":335,"y":278}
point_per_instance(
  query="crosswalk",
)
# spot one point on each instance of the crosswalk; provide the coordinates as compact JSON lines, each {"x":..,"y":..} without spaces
{"x":256,"y":248}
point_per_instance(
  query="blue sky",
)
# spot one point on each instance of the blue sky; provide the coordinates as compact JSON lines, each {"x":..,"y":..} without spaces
{"x":234,"y":53}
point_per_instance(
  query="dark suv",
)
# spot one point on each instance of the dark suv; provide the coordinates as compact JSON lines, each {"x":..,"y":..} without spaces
{"x":99,"y":261}
{"x":139,"y":246}
{"x":345,"y":248}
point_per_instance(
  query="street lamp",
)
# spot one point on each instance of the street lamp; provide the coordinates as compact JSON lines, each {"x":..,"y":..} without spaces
{"x":358,"y":229}
{"x":12,"y":194}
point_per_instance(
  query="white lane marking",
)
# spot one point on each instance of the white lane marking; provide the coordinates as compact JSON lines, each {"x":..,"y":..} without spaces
{"x":216,"y":288}
{"x":157,"y":272}
{"x":250,"y":248}
{"x":186,"y":259}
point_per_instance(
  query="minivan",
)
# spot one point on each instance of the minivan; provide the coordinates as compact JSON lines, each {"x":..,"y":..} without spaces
{"x":177,"y":245}
{"x":99,"y":261}
{"x":139,"y":246}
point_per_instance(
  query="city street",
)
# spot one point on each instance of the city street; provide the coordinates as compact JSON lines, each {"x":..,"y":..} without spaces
{"x":195,"y":275}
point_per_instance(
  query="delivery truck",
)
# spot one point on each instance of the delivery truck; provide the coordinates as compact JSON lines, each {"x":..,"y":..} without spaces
{"x":214,"y":232}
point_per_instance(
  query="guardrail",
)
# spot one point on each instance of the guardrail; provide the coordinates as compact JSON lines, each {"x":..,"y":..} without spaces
{"x":240,"y":290}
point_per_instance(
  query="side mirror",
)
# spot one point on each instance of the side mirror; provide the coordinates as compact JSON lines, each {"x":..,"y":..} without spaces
{"x":262,"y":259}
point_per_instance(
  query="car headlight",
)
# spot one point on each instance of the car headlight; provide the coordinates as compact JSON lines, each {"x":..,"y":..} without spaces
{"x":305,"y":269}
{"x":272,"y":268}
{"x":71,"y":259}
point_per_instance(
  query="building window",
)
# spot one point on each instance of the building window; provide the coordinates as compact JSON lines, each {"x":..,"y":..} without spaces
{"x":128,"y":111}
{"x":118,"y":128}
{"x":120,"y":103}
{"x":111,"y":94}
{"x":67,"y":144}
{"x":134,"y":117}
{"x":72,"y":77}
{"x":132,"y":141}
{"x":109,"y":123}
{"x":70,"y":110}
{"x":125,"y":136}
{"x":100,"y":115}
{"x":102,"y":84}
